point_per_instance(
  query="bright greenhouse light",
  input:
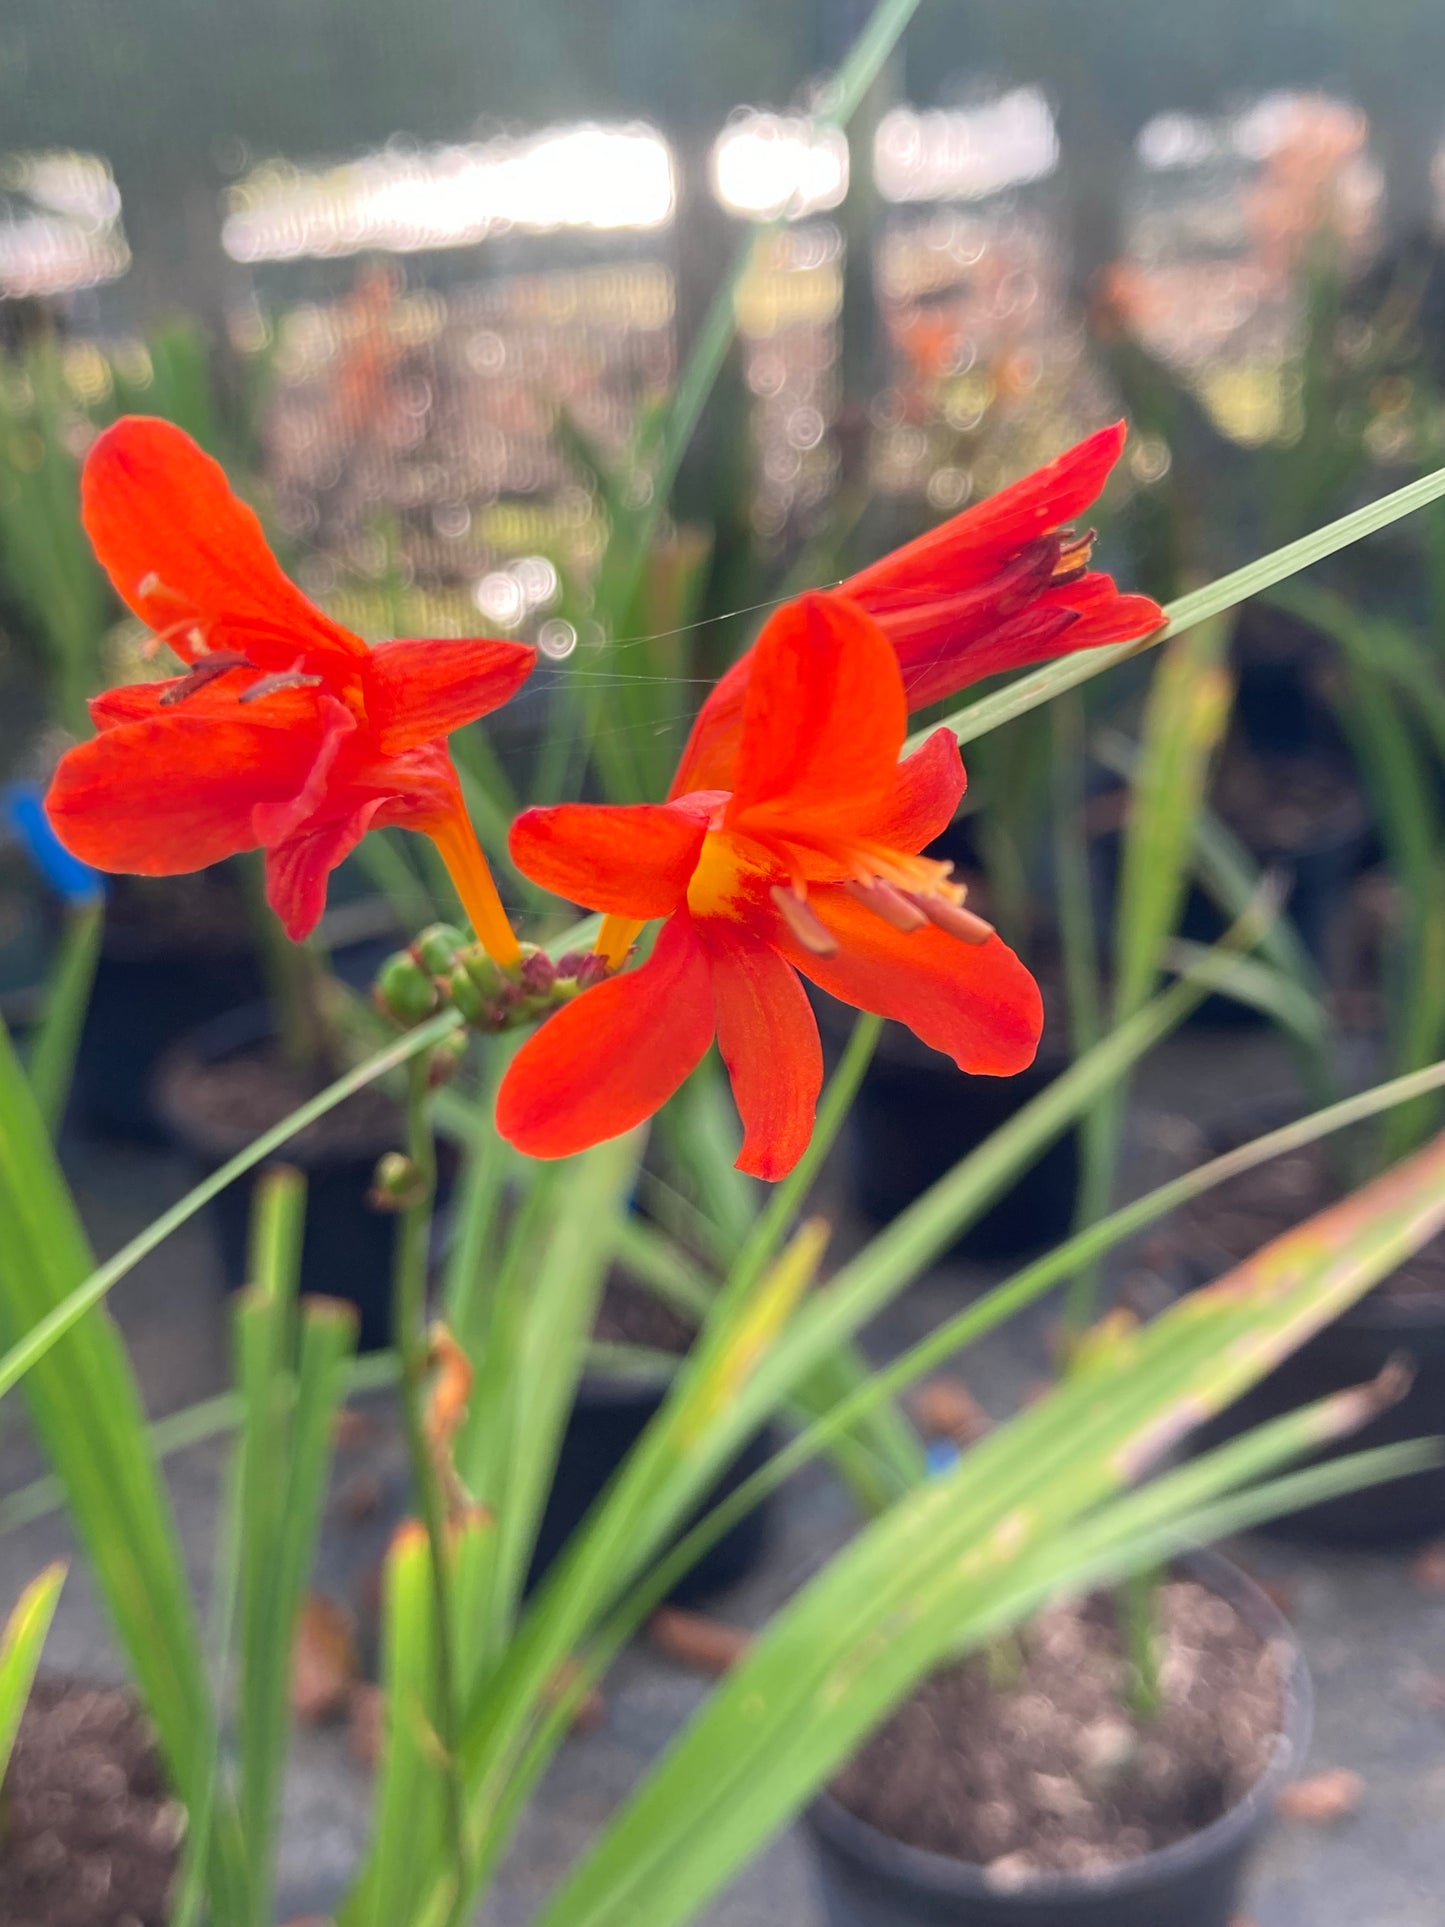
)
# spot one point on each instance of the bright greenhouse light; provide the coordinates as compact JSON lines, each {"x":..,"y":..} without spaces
{"x":766,"y":165}
{"x":565,"y":177}
{"x":966,"y":153}
{"x":61,"y":228}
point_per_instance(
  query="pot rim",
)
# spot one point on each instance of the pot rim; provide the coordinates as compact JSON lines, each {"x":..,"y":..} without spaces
{"x":942,"y":1877}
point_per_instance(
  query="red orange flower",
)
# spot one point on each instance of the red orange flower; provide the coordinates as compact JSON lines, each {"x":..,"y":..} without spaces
{"x":807,"y":863}
{"x":287,"y":733}
{"x":1005,"y":583}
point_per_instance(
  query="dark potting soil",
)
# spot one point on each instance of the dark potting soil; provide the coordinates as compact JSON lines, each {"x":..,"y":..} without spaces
{"x":630,"y":1314}
{"x":1280,"y":804}
{"x":1053,"y":1773}
{"x":227,"y":1103}
{"x":89,"y":1835}
{"x":1258,"y":1205}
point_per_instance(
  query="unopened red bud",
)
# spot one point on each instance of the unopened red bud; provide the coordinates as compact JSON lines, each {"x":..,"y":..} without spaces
{"x":539,"y":973}
{"x":405,"y":990}
{"x":582,"y":967}
{"x":397,"y":1184}
{"x":437,"y":946}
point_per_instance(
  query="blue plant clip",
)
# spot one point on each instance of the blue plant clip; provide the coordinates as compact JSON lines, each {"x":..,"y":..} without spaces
{"x":23,"y":808}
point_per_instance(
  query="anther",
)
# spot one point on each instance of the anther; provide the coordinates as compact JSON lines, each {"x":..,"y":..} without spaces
{"x":890,"y":904}
{"x":283,"y":679}
{"x":954,"y":919}
{"x":205,"y":672}
{"x":804,"y":923}
{"x":1075,"y":553}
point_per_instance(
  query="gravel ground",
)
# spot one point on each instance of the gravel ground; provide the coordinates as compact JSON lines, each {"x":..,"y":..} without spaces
{"x":1372,"y":1636}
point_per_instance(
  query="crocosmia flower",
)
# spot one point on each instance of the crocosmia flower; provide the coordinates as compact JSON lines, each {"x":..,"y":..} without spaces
{"x":1005,"y":583}
{"x":287,"y":733}
{"x":808,"y":862}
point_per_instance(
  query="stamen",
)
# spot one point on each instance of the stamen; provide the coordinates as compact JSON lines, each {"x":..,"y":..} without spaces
{"x":954,"y":919}
{"x":187,"y":625}
{"x":1075,"y":552}
{"x":205,"y":672}
{"x":804,"y":923}
{"x":890,"y":904}
{"x":283,"y":679}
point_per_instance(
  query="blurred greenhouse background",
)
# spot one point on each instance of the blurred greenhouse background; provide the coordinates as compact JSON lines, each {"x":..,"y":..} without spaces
{"x":438,"y":263}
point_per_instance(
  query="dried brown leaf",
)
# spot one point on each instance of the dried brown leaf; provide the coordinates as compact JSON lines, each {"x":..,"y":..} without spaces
{"x":944,"y":1408}
{"x":323,"y":1660}
{"x":1324,"y":1798}
{"x":693,"y":1640}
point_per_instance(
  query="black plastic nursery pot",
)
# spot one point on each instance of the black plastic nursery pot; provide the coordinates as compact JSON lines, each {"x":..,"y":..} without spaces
{"x":916,"y":1115}
{"x":1317,"y":878}
{"x":1355,"y":1349}
{"x":1378,"y":1331}
{"x":1280,"y":665}
{"x":871,"y":1880}
{"x":348,"y":1247}
{"x":178,"y":953}
{"x":153,"y":985}
{"x":607,"y":1419}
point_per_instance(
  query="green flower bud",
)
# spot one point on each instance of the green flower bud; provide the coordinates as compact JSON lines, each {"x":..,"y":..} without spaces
{"x":465,"y":994}
{"x":484,"y":971}
{"x":446,"y":1059}
{"x":437,"y":946}
{"x":405,"y":991}
{"x":397,"y":1183}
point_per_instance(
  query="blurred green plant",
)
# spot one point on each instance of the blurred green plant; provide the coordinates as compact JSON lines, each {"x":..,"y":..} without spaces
{"x":21,"y":1642}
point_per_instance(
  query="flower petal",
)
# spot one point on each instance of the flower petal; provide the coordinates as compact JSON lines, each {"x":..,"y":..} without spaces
{"x":946,"y":646}
{"x":137,"y":702}
{"x":613,"y":1056}
{"x":968,"y":548}
{"x":629,"y":859}
{"x":277,"y":821}
{"x":964,"y":601}
{"x":297,"y":869}
{"x":189,"y":557}
{"x":823,"y":718}
{"x":709,"y":757}
{"x":975,"y":1002}
{"x":768,"y":1037}
{"x":927,"y":791}
{"x":419,"y":690}
{"x":174,"y":794}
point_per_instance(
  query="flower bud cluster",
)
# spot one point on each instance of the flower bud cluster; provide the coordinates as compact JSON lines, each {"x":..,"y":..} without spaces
{"x":443,"y":969}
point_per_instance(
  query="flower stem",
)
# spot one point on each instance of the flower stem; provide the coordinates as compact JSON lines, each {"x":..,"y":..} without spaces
{"x":460,"y":851}
{"x":410,"y":1339}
